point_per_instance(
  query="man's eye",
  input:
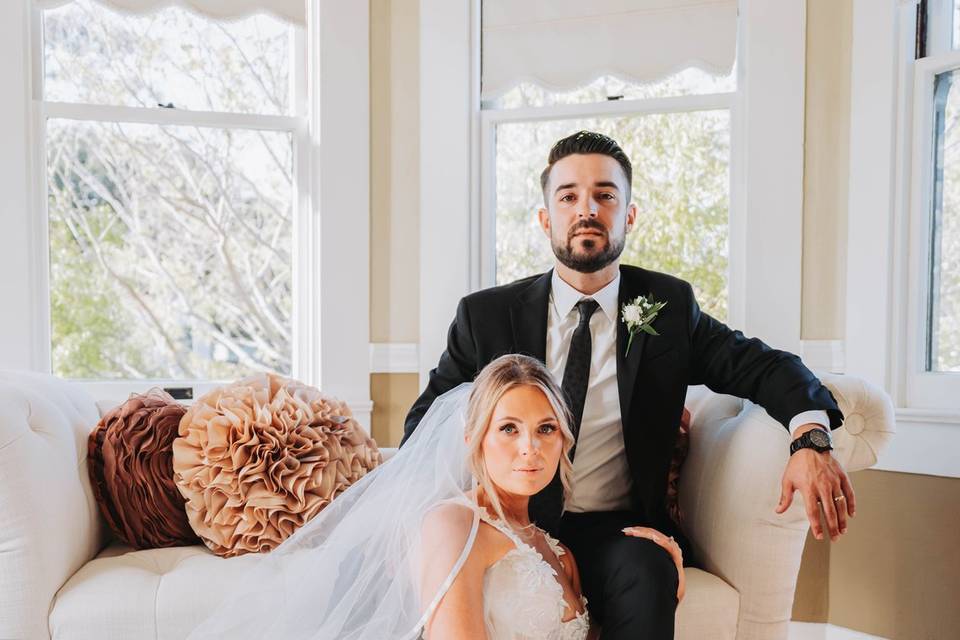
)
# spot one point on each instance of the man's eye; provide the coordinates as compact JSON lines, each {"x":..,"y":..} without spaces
{"x":607,"y":196}
{"x":566,"y":198}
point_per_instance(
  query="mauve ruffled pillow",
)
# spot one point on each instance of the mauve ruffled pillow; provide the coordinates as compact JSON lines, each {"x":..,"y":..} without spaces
{"x":130,"y":461}
{"x":257,"y":459}
{"x":680,"y":450}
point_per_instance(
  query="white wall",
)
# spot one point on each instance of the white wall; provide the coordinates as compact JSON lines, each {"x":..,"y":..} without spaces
{"x":16,"y":301}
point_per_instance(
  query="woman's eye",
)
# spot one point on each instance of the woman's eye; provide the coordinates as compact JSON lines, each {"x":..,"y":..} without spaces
{"x":508,"y":428}
{"x":548,"y":428}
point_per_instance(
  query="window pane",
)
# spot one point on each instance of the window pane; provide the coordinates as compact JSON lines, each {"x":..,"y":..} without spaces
{"x":943,"y":310}
{"x":95,"y":55}
{"x":170,"y":251}
{"x":691,"y":81}
{"x":680,"y":184}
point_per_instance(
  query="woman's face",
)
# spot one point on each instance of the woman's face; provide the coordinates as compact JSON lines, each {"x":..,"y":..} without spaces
{"x":523,"y":443}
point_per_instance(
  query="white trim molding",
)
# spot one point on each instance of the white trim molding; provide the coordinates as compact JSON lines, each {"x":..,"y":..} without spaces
{"x":394,"y":357}
{"x":822,"y":631}
{"x":823,"y":355}
{"x":449,"y":104}
{"x":768,"y":189}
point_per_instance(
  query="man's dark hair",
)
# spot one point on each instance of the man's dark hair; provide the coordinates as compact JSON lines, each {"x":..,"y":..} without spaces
{"x":585,"y":142}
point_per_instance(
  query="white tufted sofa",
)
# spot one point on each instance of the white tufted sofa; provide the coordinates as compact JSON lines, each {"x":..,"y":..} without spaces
{"x":62,"y":577}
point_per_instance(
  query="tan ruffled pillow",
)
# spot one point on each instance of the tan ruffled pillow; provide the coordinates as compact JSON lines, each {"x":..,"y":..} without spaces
{"x":131,"y":470}
{"x":257,"y":459}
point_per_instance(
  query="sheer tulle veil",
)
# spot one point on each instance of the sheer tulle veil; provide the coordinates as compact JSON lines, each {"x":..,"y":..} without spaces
{"x":361,"y":567}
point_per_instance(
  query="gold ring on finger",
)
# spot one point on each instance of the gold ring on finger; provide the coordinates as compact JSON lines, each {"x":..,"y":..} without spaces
{"x":839,"y":498}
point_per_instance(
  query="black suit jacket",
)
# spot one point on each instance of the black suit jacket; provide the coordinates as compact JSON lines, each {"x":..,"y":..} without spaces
{"x":692,"y":348}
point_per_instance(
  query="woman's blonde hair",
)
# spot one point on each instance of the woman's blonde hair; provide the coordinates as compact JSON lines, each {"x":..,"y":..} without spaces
{"x":498,"y":377}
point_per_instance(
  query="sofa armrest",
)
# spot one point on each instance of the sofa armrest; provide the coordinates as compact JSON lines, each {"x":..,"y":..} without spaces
{"x":730,"y":486}
{"x":50,"y":525}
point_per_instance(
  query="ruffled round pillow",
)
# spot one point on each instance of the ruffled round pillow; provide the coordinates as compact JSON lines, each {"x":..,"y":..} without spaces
{"x":257,"y":459}
{"x":131,"y":469}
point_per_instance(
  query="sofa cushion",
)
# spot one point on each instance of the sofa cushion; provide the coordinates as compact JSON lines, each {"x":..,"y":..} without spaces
{"x":155,"y":593}
{"x":162,"y":594}
{"x":709,"y":610}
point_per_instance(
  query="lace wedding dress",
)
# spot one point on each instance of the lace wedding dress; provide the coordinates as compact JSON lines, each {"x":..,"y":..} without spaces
{"x":522,"y":598}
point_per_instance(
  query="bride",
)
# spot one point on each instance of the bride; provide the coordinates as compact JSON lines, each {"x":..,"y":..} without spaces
{"x":437,"y":543}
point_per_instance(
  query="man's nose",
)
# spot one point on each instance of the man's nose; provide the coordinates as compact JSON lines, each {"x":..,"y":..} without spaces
{"x":589,"y":209}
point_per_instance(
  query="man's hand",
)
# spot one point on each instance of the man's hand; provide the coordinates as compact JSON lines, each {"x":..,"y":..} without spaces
{"x":822,"y":481}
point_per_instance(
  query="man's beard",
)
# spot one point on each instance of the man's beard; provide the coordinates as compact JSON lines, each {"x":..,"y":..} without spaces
{"x":588,"y":262}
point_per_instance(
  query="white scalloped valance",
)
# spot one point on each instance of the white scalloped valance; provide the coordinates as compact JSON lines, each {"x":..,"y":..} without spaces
{"x":290,"y":10}
{"x":565,"y":44}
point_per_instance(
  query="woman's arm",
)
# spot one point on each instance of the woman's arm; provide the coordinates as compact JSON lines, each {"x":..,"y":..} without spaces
{"x":445,"y":534}
{"x":460,"y":612}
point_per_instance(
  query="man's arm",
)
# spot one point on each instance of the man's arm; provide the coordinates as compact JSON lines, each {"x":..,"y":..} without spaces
{"x":728,"y":362}
{"x":457,"y":365}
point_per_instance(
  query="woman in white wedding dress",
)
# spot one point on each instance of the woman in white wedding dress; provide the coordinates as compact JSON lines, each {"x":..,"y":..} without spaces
{"x":436,"y":543}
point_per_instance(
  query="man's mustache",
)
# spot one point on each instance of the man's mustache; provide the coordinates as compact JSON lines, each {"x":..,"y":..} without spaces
{"x":593,"y":225}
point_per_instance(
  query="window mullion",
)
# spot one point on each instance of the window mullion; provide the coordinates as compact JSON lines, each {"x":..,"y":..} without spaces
{"x":175,"y":117}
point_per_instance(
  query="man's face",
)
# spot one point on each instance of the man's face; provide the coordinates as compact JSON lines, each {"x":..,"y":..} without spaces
{"x":588,"y":214}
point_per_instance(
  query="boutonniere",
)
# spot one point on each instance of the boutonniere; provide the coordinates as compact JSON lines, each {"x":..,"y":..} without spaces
{"x":639,"y":316}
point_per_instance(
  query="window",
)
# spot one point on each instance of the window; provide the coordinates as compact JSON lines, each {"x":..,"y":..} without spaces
{"x":170,"y":143}
{"x":612,"y":67}
{"x":933,"y":313}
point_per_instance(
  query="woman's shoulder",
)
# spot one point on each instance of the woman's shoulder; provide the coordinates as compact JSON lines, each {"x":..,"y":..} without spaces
{"x":451,"y":523}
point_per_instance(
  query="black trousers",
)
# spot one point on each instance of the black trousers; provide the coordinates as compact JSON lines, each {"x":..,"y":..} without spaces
{"x":630,"y":583}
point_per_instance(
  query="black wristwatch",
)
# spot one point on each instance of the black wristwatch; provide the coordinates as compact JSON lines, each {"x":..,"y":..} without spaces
{"x":816,"y":439}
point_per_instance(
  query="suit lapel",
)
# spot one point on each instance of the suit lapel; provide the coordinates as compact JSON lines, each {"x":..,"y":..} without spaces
{"x":528,"y":317}
{"x":627,"y":364}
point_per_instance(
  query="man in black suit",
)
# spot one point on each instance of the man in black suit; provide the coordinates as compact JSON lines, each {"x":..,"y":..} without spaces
{"x":626,"y":388}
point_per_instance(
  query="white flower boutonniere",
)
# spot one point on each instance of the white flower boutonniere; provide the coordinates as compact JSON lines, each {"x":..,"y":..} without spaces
{"x":639,"y":315}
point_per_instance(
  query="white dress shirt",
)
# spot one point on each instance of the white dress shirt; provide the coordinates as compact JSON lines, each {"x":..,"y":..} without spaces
{"x":601,"y":477}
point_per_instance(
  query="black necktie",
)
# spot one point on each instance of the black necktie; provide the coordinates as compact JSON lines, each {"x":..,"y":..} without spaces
{"x":576,"y":373}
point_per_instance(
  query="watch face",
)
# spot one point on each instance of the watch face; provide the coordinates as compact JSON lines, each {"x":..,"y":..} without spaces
{"x":819,"y":438}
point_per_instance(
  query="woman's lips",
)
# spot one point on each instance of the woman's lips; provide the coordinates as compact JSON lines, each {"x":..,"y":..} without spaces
{"x":529,"y":470}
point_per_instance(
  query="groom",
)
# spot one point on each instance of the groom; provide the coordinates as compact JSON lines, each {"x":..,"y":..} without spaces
{"x":627,"y":403}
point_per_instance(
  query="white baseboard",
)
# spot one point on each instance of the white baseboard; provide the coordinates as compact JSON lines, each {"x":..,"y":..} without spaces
{"x":821,"y":631}
{"x":394,"y":357}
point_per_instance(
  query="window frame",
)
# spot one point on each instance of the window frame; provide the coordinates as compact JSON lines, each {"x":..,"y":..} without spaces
{"x":492,"y":117}
{"x":922,"y":388}
{"x":880,"y":262}
{"x":330,"y":137}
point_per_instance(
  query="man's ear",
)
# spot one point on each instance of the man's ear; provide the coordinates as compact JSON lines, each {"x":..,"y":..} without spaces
{"x":631,"y":216}
{"x":543,"y":216}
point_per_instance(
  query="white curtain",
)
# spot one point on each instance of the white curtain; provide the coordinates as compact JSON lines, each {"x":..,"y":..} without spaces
{"x":290,"y":10}
{"x":565,"y":44}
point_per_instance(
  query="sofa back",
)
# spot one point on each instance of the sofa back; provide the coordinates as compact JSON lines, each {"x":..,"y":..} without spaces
{"x":49,"y":523}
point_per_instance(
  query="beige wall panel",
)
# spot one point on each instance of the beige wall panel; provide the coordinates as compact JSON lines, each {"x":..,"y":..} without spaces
{"x":826,"y":155}
{"x":393,"y":395}
{"x":896,"y":573}
{"x":394,"y":171}
{"x":811,"y":603}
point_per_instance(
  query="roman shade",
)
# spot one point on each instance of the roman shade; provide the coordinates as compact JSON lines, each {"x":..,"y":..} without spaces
{"x":293,"y":11}
{"x":565,"y":44}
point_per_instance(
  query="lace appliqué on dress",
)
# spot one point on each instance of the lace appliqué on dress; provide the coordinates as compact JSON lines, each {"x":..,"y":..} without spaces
{"x":523,"y":598}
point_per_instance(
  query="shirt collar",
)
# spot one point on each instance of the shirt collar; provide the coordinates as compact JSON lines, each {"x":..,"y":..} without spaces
{"x":565,"y":297}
